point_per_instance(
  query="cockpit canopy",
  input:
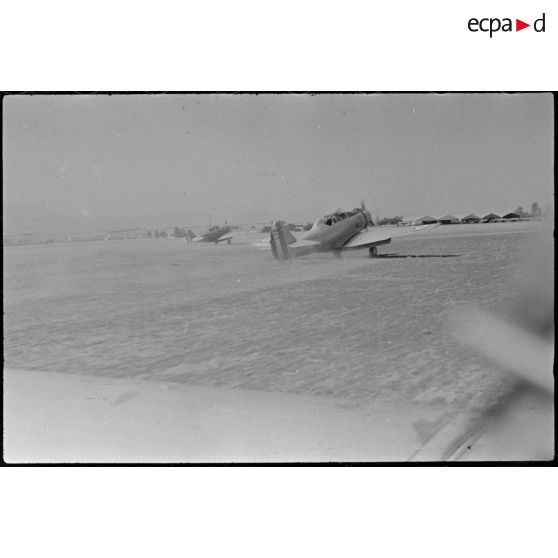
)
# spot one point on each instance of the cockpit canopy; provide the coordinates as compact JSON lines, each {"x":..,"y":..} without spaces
{"x":339,"y":215}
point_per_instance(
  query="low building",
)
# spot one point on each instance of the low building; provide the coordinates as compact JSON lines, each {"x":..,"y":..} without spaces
{"x":512,"y":216}
{"x":471,"y":218}
{"x":491,"y":218}
{"x":427,"y":220}
{"x":449,"y":220}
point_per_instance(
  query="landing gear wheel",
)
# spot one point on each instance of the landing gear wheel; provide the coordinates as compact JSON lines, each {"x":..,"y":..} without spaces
{"x":337,"y":253}
{"x":373,"y":252}
{"x":229,"y":241}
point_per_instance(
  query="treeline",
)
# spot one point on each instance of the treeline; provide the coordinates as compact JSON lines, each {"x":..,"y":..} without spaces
{"x":177,"y":232}
{"x":290,"y":227}
{"x":183,"y":233}
{"x":389,"y":220}
{"x":157,"y":234}
{"x":536,"y":211}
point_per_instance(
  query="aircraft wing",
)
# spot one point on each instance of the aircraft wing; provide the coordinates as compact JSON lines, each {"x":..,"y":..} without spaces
{"x":377,"y":235}
{"x":51,"y":417}
{"x":226,"y":236}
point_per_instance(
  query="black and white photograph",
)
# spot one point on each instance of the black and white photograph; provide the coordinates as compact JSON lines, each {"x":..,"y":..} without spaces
{"x":278,"y":278}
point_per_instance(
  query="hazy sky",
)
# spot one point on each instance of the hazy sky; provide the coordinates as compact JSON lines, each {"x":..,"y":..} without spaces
{"x":273,"y":156}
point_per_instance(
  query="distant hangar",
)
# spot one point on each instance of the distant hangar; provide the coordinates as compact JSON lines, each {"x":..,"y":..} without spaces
{"x":471,"y":218}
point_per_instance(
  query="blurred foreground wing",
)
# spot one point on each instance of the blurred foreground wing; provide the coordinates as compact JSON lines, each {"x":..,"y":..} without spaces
{"x":376,"y":235}
{"x":50,"y":417}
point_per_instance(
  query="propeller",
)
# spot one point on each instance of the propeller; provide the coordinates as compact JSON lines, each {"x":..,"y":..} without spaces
{"x":363,"y":207}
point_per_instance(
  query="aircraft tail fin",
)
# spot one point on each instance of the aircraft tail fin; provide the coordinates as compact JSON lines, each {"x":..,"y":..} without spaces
{"x":280,"y":238}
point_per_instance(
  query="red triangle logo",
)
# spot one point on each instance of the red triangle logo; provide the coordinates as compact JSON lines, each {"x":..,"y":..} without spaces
{"x":519,"y":25}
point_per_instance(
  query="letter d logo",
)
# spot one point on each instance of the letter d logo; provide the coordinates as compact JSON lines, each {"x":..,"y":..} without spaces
{"x":538,"y":26}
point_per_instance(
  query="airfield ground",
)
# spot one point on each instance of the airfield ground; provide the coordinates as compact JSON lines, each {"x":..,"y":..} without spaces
{"x":356,"y":328}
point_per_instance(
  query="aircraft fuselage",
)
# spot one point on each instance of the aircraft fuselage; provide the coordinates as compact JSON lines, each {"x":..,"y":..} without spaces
{"x":336,"y":235}
{"x":213,"y":234}
{"x":328,"y":234}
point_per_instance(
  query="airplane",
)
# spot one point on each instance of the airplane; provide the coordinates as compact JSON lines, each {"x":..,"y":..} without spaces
{"x":337,"y":232}
{"x":215,"y":234}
